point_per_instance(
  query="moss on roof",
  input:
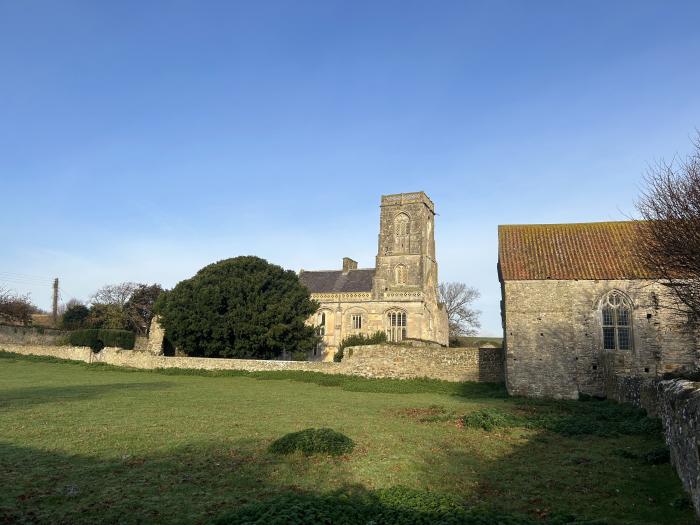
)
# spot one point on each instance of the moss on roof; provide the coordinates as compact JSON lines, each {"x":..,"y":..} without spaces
{"x":586,"y":251}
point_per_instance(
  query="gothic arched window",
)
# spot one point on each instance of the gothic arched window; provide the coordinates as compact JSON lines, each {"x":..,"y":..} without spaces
{"x":616,"y":312}
{"x":400,"y":274}
{"x":396,"y":326}
{"x":402,"y":227}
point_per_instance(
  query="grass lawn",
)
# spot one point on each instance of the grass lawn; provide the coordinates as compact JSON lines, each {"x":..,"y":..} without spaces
{"x":85,"y":443}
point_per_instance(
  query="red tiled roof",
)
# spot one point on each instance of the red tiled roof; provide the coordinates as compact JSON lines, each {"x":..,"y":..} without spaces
{"x":586,"y":251}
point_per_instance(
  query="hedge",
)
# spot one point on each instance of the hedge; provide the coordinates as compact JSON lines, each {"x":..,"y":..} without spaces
{"x":97,"y":338}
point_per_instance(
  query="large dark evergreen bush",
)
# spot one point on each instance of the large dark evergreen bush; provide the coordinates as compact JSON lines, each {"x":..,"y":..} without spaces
{"x":243,"y":307}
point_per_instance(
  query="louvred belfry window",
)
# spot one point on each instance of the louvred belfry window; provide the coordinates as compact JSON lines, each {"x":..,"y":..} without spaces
{"x":401,"y":233}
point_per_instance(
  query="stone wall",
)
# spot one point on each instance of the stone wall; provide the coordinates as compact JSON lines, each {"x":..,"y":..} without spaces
{"x":425,"y":360}
{"x":679,"y":409}
{"x":638,"y":391}
{"x":553,"y":337}
{"x":380,"y":361}
{"x":30,"y":335}
{"x":145,"y":360}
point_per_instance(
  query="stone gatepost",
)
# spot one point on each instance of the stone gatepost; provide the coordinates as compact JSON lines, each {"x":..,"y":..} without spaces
{"x":155,"y":337}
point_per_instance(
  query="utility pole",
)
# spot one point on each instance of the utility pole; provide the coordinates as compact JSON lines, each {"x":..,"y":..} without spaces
{"x":54,"y":313}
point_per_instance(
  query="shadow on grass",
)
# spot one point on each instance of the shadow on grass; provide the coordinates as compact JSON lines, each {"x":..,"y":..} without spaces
{"x":223,"y":483}
{"x":189,"y":484}
{"x":512,"y":475}
{"x":17,"y":398}
{"x":552,"y":475}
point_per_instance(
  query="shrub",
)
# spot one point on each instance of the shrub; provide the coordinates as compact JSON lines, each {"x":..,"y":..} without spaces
{"x":75,"y":317}
{"x":15,"y":308}
{"x":376,"y":338}
{"x":488,"y":419}
{"x":569,"y":418}
{"x":97,"y":339}
{"x":313,"y":441}
{"x":243,"y":307}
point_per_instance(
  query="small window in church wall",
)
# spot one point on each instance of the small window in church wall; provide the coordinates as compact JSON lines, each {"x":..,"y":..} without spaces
{"x":357,"y":322}
{"x":322,"y":324}
{"x":617,"y":322}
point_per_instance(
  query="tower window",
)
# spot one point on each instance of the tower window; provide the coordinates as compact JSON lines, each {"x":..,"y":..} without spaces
{"x":396,"y":326}
{"x":616,"y":312}
{"x":400,"y":274}
{"x":357,"y":322}
{"x":402,"y":227}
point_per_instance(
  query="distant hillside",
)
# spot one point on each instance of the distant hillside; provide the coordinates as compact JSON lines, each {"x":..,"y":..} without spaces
{"x":477,"y":341}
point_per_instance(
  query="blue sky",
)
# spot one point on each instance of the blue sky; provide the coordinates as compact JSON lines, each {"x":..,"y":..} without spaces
{"x":143,"y":140}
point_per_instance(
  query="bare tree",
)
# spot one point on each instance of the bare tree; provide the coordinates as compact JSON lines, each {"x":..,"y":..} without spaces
{"x":458,"y":299}
{"x":16,"y":308}
{"x":63,"y":307}
{"x":114,"y":294}
{"x":126,"y":306}
{"x":670,"y":247}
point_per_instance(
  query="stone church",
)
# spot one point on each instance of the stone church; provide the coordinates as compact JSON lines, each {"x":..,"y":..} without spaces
{"x":398,"y":296}
{"x":579,"y":307}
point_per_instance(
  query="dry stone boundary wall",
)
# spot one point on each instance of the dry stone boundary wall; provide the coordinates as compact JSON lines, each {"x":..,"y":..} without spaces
{"x":380,"y":361}
{"x":679,"y":409}
{"x":35,"y":335}
{"x":677,"y":403}
{"x":426,"y":360}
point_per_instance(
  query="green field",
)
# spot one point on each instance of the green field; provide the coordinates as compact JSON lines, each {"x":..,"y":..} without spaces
{"x":87,"y":443}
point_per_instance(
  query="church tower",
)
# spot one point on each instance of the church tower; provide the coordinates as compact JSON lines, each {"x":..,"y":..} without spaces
{"x":406,"y":268}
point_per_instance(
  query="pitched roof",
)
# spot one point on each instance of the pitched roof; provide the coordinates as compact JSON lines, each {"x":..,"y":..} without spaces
{"x":335,"y":281}
{"x":586,"y":251}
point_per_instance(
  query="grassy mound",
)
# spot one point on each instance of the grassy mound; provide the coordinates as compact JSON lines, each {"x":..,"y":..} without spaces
{"x":489,"y":419}
{"x":313,"y":441}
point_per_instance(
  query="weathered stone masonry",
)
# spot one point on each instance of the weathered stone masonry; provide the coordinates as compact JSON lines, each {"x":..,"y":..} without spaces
{"x":403,"y":282}
{"x":679,"y":409}
{"x":554,"y":337}
{"x":556,"y":280}
{"x":381,"y":361}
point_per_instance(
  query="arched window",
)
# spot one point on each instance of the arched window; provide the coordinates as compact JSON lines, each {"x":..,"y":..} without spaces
{"x":400,"y":274}
{"x":396,"y":326}
{"x":616,"y":312}
{"x":402,"y":227}
{"x":322,"y":324}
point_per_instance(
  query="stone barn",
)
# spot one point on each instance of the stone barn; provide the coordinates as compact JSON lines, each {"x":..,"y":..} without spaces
{"x":578,"y":307}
